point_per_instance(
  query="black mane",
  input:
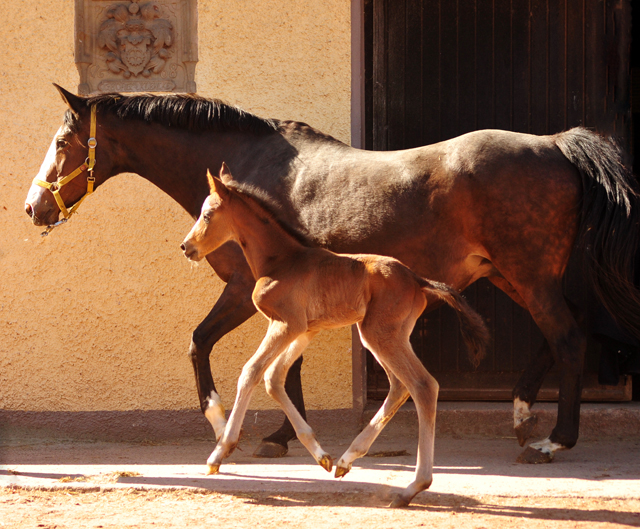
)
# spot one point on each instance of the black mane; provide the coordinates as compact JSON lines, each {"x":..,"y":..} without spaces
{"x":184,"y":111}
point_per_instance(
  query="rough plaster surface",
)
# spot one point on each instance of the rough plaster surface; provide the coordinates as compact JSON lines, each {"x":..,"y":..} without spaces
{"x":98,"y":316}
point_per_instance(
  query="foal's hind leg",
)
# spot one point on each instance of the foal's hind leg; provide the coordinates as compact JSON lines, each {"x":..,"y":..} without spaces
{"x":274,"y":379}
{"x":397,"y":396}
{"x":394,"y":350}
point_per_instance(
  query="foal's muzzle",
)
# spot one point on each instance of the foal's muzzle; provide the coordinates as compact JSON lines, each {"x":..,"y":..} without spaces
{"x":190,"y":252}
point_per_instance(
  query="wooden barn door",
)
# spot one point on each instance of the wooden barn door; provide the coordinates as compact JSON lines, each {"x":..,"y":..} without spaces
{"x":435,"y":69}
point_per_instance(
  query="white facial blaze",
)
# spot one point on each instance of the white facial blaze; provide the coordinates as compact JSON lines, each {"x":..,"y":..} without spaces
{"x":35,"y":191}
{"x":215,"y":414}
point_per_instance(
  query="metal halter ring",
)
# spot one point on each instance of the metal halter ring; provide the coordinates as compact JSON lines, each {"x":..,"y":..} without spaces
{"x":92,"y":143}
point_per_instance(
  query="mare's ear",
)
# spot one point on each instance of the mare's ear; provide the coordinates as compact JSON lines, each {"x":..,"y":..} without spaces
{"x":77,"y":104}
{"x":216,"y":185}
{"x":225,"y":173}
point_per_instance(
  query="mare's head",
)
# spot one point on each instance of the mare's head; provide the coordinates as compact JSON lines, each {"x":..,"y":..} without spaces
{"x":213,"y":227}
{"x":67,"y":173}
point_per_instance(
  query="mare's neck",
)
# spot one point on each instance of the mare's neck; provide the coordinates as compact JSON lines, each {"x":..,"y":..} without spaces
{"x":266,"y":245}
{"x":177,"y":160}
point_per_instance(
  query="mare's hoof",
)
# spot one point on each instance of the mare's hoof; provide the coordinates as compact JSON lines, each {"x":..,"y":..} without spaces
{"x":271,"y":450}
{"x":525,"y":429}
{"x":341,"y":472}
{"x":212,"y":469}
{"x":399,"y":503}
{"x":326,"y":462}
{"x":532,"y":456}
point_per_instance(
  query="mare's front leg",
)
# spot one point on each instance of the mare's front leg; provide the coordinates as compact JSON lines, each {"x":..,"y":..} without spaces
{"x":234,"y":307}
{"x":278,"y":338}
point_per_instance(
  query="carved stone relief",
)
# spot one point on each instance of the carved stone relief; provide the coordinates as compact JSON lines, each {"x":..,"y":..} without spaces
{"x":136,"y":46}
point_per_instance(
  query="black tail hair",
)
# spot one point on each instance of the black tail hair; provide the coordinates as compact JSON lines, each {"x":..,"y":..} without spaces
{"x":610,"y":223}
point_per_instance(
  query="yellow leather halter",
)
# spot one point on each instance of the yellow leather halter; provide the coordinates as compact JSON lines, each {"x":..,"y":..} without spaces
{"x":88,"y":166}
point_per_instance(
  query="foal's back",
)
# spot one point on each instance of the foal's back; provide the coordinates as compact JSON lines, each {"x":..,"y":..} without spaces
{"x":330,"y":290}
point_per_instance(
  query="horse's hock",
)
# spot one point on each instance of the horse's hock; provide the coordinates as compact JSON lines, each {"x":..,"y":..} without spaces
{"x":136,"y":46}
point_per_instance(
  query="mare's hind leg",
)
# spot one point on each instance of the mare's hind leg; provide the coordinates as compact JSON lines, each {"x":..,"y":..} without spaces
{"x":397,"y":396}
{"x":526,"y":390}
{"x":277,"y":339}
{"x":568,"y":346}
{"x":274,"y":379}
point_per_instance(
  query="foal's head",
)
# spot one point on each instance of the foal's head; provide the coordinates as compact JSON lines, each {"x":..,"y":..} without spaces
{"x":212,"y":229}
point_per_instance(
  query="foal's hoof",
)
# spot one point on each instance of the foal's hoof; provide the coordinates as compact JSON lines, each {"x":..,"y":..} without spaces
{"x":326,"y":462}
{"x":399,"y":503}
{"x":212,"y":469}
{"x":532,"y":456}
{"x":525,"y":429}
{"x":341,"y":472}
{"x":271,"y":450}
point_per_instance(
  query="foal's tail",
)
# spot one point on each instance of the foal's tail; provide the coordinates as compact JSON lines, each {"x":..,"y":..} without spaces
{"x":610,"y":223}
{"x":474,"y":331}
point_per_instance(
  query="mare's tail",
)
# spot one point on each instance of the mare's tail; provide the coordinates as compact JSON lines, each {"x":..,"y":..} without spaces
{"x":610,"y":223}
{"x":474,"y":331}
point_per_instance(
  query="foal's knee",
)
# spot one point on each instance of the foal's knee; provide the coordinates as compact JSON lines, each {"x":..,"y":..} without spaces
{"x":272,"y":387}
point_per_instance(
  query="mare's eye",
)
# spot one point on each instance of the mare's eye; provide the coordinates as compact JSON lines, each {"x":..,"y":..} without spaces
{"x":61,"y":143}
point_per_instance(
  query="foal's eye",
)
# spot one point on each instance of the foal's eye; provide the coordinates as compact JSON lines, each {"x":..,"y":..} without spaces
{"x":206,"y":218}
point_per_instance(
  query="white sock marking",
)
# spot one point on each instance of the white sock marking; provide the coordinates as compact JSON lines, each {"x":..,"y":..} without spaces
{"x":521,"y":412}
{"x":215,"y":414}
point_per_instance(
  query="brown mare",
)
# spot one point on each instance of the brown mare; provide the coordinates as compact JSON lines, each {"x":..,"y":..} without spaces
{"x":506,"y":206}
{"x":302,"y":291}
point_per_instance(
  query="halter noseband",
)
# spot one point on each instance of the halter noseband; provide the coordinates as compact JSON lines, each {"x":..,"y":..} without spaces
{"x":88,"y":166}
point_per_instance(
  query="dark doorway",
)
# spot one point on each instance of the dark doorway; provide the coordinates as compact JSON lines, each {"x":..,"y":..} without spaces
{"x":435,"y":69}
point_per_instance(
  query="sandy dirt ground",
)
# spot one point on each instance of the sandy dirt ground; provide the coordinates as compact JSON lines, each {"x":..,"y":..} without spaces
{"x":131,"y":508}
{"x":477,"y":484}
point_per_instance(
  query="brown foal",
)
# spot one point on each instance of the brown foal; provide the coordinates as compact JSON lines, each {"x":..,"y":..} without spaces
{"x":302,"y":291}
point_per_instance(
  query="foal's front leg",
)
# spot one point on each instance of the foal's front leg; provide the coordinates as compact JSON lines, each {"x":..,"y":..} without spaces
{"x":275,"y":384}
{"x":278,"y":338}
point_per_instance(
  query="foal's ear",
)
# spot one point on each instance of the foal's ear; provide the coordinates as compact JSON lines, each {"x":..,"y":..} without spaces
{"x":225,"y":173}
{"x":77,"y":104}
{"x":216,"y":185}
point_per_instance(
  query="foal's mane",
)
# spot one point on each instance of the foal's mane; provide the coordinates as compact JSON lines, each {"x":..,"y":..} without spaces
{"x":185,"y":111}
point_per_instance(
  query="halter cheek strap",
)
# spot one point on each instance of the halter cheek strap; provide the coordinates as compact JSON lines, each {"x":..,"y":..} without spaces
{"x":88,"y":166}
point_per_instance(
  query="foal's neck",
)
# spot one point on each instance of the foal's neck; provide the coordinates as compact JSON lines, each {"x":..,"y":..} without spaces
{"x":265,"y":243}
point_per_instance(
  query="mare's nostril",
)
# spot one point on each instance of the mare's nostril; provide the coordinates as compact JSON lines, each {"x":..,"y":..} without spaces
{"x":183,"y":247}
{"x":28,"y":209}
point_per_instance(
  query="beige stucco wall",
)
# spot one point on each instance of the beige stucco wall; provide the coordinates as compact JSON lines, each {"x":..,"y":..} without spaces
{"x":98,"y":316}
